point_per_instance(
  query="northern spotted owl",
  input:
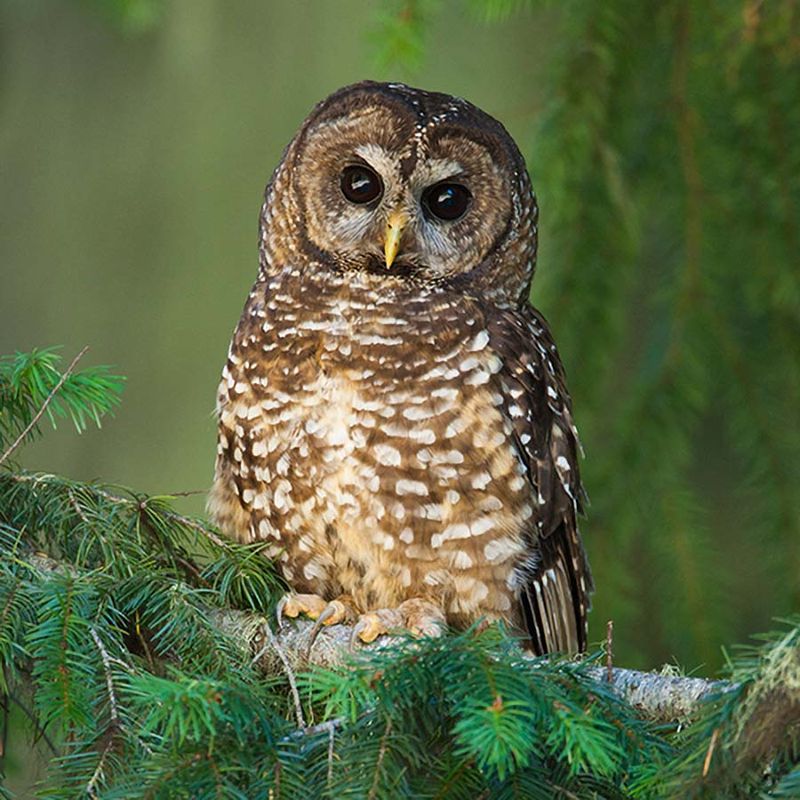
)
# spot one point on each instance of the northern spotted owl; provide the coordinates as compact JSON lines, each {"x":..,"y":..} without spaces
{"x":393,"y":418}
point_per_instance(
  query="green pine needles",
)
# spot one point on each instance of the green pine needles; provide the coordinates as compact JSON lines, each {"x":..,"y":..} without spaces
{"x":113,"y":647}
{"x":31,"y":387}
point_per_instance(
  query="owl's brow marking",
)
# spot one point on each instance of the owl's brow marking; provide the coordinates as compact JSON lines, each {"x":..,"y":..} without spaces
{"x":379,"y":159}
{"x":436,"y":170}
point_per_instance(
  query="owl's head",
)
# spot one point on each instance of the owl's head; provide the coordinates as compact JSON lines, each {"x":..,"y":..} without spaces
{"x":399,"y":182}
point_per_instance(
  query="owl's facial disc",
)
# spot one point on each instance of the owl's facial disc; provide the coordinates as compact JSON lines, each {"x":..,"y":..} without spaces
{"x":379,"y":196}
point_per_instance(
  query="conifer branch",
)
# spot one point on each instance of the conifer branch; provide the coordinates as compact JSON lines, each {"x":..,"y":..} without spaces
{"x":658,"y":696}
{"x":49,"y":399}
{"x":139,"y":504}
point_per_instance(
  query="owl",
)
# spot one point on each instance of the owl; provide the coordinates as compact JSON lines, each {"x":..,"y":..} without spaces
{"x":394,"y":424}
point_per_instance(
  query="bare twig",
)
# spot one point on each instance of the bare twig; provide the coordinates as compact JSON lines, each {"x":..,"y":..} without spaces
{"x":331,"y":740}
{"x":4,"y":734}
{"x":275,"y":791}
{"x":76,"y":505}
{"x":373,"y":792}
{"x":298,"y":708}
{"x":197,"y":526}
{"x":91,"y":786}
{"x":112,"y":697}
{"x":38,"y":415}
{"x":40,"y":731}
{"x":610,"y":651}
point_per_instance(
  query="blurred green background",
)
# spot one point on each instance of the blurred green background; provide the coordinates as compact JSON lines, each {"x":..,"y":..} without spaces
{"x":135,"y":141}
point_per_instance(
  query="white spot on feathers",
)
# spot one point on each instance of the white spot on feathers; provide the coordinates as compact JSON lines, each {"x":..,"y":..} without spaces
{"x":479,"y":341}
{"x":405,"y":486}
{"x":500,"y":549}
{"x":457,"y":531}
{"x":480,"y":526}
{"x":481,"y":480}
{"x":387,"y":455}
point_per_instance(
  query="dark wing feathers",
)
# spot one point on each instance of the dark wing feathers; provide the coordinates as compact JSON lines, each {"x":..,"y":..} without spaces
{"x":554,"y":582}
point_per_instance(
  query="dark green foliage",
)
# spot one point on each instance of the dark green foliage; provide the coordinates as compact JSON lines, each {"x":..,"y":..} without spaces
{"x":110,"y":607}
{"x":667,"y":167}
{"x":479,"y":708}
{"x":670,"y":195}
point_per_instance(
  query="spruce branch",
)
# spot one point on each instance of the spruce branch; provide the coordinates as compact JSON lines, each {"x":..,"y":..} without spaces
{"x":32,"y":386}
{"x":658,"y":696}
{"x":392,"y":688}
{"x":49,"y":399}
{"x":133,"y":503}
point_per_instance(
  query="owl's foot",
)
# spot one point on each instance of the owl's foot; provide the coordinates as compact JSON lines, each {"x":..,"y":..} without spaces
{"x":339,"y":610}
{"x":317,"y":608}
{"x":420,"y":617}
{"x":292,"y":605}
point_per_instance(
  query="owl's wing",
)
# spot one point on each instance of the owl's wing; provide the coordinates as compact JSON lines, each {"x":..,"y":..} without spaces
{"x":554,"y":582}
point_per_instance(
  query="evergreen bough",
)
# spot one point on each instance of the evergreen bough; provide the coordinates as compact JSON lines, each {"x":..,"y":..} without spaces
{"x":113,"y":643}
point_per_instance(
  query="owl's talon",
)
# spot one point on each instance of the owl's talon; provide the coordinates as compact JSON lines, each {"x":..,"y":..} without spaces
{"x":368,"y":628}
{"x":419,"y":617}
{"x":292,"y":605}
{"x":279,"y":611}
{"x":335,"y":612}
{"x":374,"y":624}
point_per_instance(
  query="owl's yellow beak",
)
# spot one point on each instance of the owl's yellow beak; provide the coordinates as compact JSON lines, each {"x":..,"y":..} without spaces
{"x":394,"y":232}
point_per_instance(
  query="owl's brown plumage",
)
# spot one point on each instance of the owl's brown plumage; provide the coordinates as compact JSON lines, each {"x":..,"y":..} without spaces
{"x":393,"y":417}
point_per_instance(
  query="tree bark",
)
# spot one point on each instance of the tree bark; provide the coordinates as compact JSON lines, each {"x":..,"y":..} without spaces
{"x":657,"y":696}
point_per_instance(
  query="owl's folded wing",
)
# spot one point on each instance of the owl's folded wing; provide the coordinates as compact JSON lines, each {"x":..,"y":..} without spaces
{"x":553,"y":582}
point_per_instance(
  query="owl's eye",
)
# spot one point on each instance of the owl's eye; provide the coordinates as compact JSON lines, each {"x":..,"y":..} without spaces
{"x":447,"y":201}
{"x":360,"y":184}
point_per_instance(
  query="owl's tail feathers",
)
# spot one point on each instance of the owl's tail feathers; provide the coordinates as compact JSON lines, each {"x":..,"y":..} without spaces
{"x":556,"y":598}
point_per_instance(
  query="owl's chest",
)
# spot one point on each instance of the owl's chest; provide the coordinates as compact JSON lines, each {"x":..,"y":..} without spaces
{"x":338,"y":396}
{"x":356,"y":407}
{"x":345,"y":366}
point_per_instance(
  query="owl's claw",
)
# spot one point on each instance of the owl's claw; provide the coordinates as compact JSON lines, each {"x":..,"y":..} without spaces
{"x":292,"y":605}
{"x":419,"y":617}
{"x":374,"y":624}
{"x":334,"y":612}
{"x":279,"y":611}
